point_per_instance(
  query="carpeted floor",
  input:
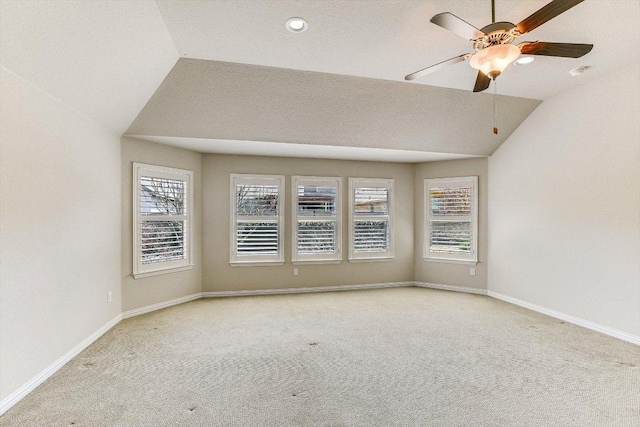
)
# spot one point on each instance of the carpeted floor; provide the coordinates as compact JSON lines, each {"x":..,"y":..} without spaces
{"x":389,"y":357}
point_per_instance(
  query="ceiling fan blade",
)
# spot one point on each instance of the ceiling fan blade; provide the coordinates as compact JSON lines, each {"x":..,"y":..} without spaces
{"x":456,"y":25}
{"x":482,"y":82}
{"x":436,"y":67}
{"x":547,"y":13}
{"x":566,"y":50}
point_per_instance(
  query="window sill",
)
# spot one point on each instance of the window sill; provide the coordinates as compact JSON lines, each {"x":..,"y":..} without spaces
{"x":164,"y":271}
{"x":372,"y":259}
{"x":317,"y":261}
{"x":255,"y":263}
{"x":451,"y":261}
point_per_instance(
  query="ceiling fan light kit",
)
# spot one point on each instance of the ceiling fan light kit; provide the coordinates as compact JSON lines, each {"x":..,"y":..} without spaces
{"x":493,"y":43}
{"x":492,"y":60}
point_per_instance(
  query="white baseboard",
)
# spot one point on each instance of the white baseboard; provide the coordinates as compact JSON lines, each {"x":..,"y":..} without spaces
{"x":158,"y":306}
{"x":451,"y":288}
{"x":634,"y":339}
{"x":17,"y":395}
{"x":221,"y":294}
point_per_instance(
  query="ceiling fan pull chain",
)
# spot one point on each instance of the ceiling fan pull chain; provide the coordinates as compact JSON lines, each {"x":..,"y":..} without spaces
{"x":495,"y":107}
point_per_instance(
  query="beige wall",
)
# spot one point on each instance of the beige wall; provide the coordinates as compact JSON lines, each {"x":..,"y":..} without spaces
{"x":446,"y":273}
{"x":59,"y":229}
{"x":138,"y":293}
{"x":565,"y":202}
{"x":218,"y":275}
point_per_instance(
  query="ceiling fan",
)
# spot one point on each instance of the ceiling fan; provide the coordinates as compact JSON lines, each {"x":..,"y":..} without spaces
{"x":493,"y":43}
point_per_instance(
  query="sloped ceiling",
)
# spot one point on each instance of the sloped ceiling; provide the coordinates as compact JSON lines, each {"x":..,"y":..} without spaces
{"x":229,"y":101}
{"x":388,"y":39}
{"x":103,"y":58}
{"x":339,"y":84}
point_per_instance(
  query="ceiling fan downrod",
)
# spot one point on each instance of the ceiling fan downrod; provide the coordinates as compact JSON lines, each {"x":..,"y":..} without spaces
{"x":493,"y":11}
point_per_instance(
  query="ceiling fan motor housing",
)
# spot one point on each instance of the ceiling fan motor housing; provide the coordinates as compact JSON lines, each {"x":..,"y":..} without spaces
{"x":494,"y":44}
{"x":495,"y":34}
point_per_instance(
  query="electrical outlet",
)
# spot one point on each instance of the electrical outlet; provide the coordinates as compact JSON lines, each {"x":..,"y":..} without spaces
{"x":109,"y":296}
{"x":472,"y":271}
{"x":295,"y":271}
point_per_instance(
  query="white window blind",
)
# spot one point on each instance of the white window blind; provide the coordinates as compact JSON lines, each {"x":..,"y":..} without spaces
{"x":257,"y":218}
{"x":316,"y":219}
{"x":371,"y":221}
{"x":162,"y":219}
{"x":451,"y":218}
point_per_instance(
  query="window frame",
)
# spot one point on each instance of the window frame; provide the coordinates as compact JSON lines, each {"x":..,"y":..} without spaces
{"x":141,"y":270}
{"x":453,"y":182}
{"x":256,"y":259}
{"x":331,"y":258}
{"x":389,"y":184}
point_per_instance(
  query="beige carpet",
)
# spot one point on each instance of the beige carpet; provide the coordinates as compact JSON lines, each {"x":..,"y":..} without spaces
{"x":389,"y":357}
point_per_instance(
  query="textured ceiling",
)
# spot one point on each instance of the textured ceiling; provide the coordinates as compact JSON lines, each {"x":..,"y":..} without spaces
{"x":103,"y":58}
{"x":391,"y":38}
{"x":228,"y":101}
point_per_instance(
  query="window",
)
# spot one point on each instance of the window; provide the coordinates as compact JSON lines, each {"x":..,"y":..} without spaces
{"x":451,"y":229}
{"x":162,"y":218}
{"x":370,"y":219}
{"x":317,"y":211}
{"x":257,"y":210}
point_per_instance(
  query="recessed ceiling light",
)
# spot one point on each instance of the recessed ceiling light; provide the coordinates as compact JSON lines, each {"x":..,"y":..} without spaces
{"x":296,"y":25}
{"x":524,"y":60}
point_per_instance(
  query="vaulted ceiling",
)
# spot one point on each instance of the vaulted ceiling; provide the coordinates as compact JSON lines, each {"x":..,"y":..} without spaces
{"x":388,"y":39}
{"x":339,"y":84}
{"x":103,"y":58}
{"x":227,"y":101}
